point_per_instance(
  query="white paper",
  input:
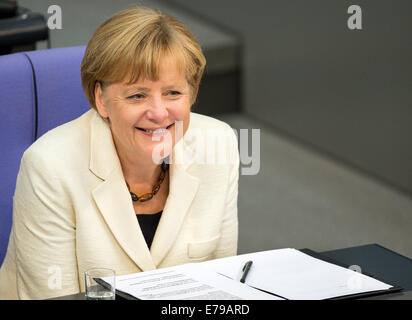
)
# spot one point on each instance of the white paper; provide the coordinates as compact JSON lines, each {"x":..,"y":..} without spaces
{"x":186,"y":282}
{"x":294,"y":275}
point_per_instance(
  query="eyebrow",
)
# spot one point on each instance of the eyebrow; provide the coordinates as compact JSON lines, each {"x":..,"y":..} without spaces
{"x":133,"y":88}
{"x":144,"y":89}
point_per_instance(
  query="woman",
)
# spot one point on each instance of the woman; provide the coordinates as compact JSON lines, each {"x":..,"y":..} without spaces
{"x":137,"y":153}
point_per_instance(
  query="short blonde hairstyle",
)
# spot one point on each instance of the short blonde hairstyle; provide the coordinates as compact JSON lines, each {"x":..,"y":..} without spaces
{"x":130,"y":45}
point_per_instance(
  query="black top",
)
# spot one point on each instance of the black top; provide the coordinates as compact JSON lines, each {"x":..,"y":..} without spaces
{"x":148,"y":223}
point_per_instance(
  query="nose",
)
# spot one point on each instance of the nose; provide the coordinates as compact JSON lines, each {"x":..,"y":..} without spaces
{"x":157,"y":111}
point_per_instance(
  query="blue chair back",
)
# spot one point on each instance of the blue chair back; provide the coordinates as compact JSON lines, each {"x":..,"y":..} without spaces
{"x":17,"y":131}
{"x":39,"y":90}
{"x":60,"y":96}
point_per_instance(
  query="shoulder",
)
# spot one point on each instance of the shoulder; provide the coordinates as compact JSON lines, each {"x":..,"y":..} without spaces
{"x":209,"y":128}
{"x":61,"y":143}
{"x":212,"y":133}
{"x":198,"y":120}
{"x":212,"y":142}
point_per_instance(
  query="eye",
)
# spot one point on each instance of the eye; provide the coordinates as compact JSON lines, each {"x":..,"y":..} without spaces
{"x":174,"y":93}
{"x":137,"y":96}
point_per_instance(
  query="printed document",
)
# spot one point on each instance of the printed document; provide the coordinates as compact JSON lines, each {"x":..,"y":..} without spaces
{"x":186,"y":282}
{"x":295,"y":275}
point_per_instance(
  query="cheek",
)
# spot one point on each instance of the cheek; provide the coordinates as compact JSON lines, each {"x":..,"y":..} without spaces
{"x":186,"y":121}
{"x":126,"y":117}
{"x":181,"y":111}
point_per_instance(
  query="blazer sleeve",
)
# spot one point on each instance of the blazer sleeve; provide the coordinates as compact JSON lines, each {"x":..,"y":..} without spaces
{"x":227,"y":245}
{"x":43,"y":231}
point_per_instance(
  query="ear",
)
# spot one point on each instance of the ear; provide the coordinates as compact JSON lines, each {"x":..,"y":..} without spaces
{"x":98,"y":98}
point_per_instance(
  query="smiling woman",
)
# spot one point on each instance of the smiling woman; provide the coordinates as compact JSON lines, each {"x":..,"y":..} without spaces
{"x":139,"y":112}
{"x":120,"y":187}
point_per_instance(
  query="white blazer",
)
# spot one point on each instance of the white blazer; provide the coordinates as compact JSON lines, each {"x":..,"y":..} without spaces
{"x":72,"y":210}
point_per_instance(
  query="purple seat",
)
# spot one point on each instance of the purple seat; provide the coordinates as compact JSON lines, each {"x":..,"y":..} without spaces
{"x":60,"y":96}
{"x":17,"y":131}
{"x":39,"y":90}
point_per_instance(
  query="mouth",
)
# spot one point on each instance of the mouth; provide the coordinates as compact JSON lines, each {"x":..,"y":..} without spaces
{"x":156,"y":131}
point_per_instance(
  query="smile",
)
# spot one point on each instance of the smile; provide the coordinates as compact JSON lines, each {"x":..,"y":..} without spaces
{"x":159,"y":131}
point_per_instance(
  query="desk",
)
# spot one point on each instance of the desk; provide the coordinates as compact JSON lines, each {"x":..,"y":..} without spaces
{"x":380,"y":262}
{"x":373,"y":259}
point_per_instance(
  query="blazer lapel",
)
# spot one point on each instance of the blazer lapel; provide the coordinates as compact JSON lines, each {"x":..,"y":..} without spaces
{"x":112,"y":196}
{"x":182,"y":190}
{"x":174,"y":213}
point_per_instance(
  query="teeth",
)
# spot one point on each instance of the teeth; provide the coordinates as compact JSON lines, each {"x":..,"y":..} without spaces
{"x":157,"y":130}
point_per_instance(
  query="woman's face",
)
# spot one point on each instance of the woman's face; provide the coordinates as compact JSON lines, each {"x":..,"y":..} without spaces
{"x":150,"y":105}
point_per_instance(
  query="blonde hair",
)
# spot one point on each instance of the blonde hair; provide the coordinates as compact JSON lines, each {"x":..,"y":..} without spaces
{"x":131,"y":44}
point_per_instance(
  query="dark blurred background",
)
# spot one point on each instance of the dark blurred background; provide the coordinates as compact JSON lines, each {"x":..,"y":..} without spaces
{"x":334,"y":107}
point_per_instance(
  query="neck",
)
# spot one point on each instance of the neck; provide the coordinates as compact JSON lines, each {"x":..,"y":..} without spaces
{"x":138,"y":170}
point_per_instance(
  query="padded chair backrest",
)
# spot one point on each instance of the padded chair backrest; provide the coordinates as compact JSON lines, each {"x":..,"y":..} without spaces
{"x":60,"y":96}
{"x":17,"y":131}
{"x":39,"y":90}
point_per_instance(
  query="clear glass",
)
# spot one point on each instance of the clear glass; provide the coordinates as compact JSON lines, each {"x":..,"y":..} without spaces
{"x":100,"y":284}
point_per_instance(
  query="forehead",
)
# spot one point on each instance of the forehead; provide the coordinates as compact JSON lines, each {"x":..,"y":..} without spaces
{"x":169,"y":73}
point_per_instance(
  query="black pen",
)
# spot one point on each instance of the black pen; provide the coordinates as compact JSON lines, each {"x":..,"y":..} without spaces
{"x":245,"y":271}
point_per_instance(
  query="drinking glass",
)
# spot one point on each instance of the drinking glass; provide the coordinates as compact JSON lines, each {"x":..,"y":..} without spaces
{"x":100,"y":284}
